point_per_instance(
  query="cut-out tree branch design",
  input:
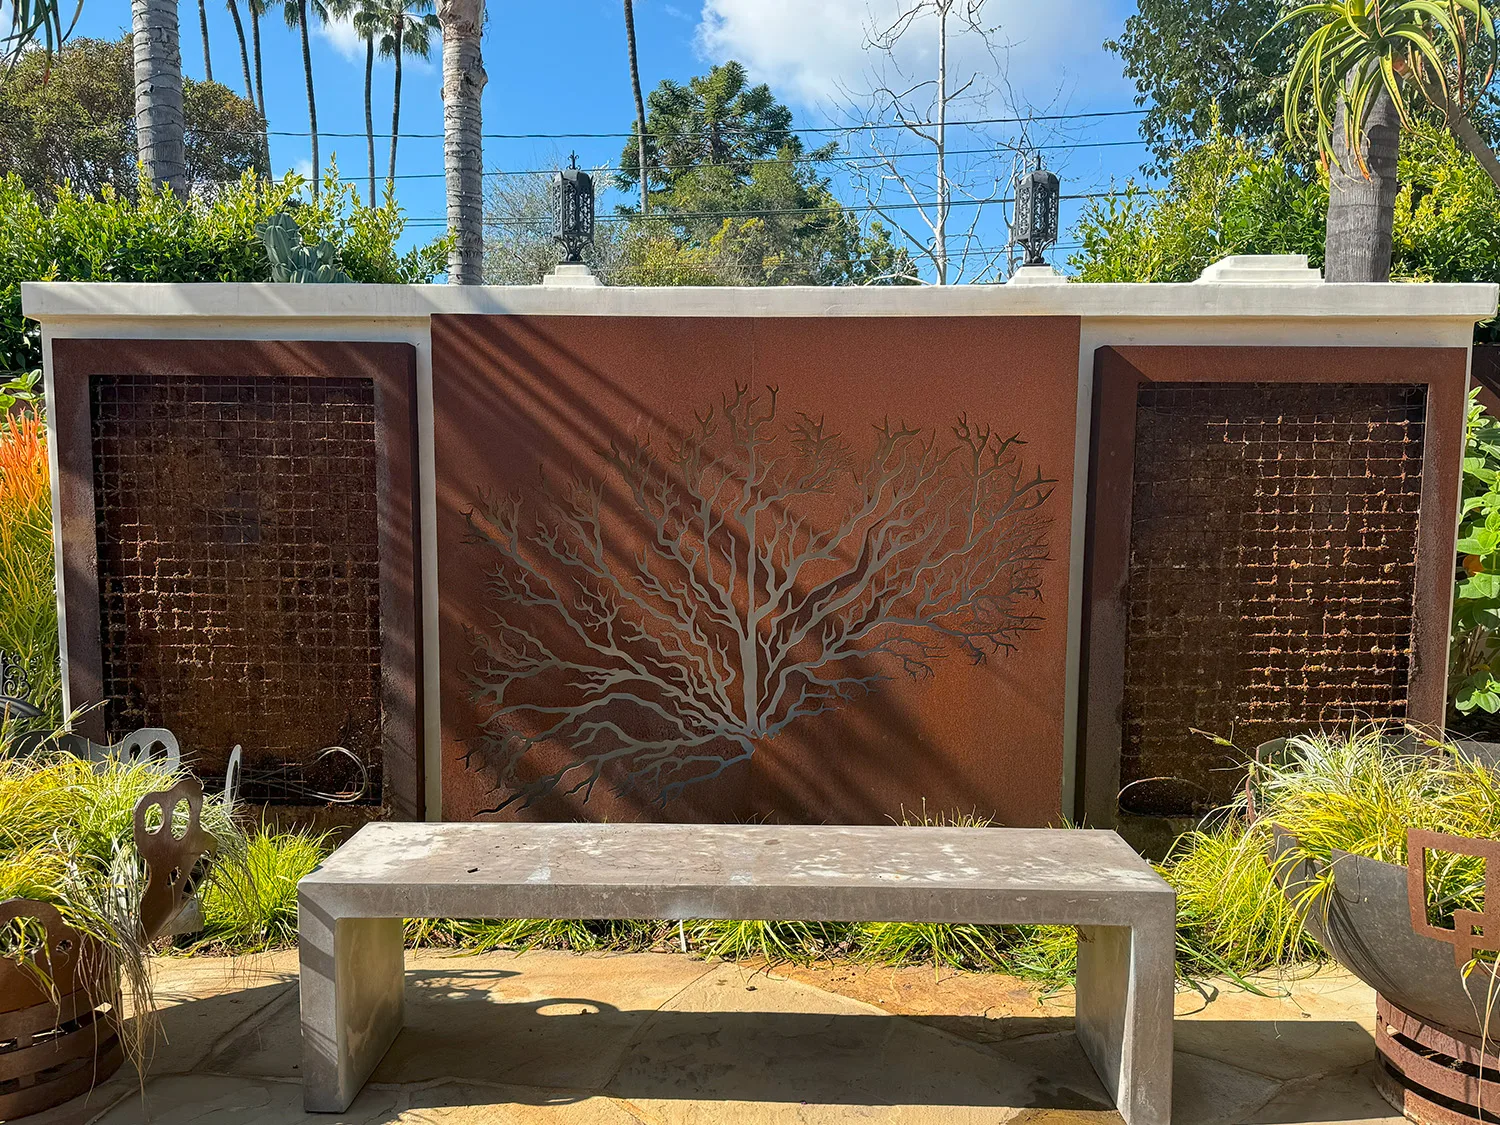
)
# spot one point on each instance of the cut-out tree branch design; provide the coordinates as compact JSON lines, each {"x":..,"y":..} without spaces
{"x":655,"y":627}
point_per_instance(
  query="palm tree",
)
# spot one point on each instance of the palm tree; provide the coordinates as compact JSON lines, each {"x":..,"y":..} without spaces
{"x":462,"y":23}
{"x":369,"y":21}
{"x":640,"y":104}
{"x":239,"y":31}
{"x":208,"y":62}
{"x":158,"y":93}
{"x":409,"y":32}
{"x":298,"y":14}
{"x":259,"y":8}
{"x":1361,"y":70}
{"x":155,"y":44}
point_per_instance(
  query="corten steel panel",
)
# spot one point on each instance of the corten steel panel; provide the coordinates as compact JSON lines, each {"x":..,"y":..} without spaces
{"x":243,"y":390}
{"x":932,"y":656}
{"x":1321,"y":568}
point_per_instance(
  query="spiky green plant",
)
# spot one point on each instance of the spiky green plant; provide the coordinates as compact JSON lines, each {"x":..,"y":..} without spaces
{"x":252,"y":906}
{"x":28,"y":600}
{"x":745,"y":940}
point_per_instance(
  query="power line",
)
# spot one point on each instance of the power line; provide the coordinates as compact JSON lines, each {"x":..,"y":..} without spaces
{"x":848,"y":158}
{"x":836,"y":208}
{"x":821,"y":130}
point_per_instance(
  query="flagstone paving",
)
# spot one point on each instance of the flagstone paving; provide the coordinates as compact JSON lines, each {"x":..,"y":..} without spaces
{"x":548,"y":1038}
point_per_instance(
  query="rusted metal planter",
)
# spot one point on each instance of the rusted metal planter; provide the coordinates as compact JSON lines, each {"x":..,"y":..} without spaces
{"x":57,"y":1044}
{"x":61,"y":1041}
{"x":1437,"y":1027}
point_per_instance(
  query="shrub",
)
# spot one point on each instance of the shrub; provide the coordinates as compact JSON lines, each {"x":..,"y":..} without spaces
{"x":28,"y":600}
{"x":1474,"y":661}
{"x":208,"y":236}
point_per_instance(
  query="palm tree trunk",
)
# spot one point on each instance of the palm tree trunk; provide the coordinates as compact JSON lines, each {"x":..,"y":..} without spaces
{"x":260,"y":90}
{"x":640,"y":105}
{"x":1362,"y":201}
{"x":462,"y":23}
{"x":390,"y":178}
{"x":208,"y":62}
{"x":312,"y":101}
{"x":239,"y":31}
{"x":158,"y":93}
{"x":370,"y":113}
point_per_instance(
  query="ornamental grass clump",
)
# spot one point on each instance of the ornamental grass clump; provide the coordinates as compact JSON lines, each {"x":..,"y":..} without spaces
{"x":67,"y":837}
{"x":1355,"y":790}
{"x":251,"y":906}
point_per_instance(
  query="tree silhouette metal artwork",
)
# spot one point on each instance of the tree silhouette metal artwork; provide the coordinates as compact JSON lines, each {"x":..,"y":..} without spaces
{"x":658,"y":625}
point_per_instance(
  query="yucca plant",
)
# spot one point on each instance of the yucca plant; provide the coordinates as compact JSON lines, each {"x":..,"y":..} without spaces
{"x":1418,"y":52}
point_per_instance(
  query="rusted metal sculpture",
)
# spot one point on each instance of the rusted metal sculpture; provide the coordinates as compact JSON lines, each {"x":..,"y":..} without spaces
{"x":60,"y":1036}
{"x":1437,"y":993}
{"x":168,"y":905}
{"x":60,"y":1012}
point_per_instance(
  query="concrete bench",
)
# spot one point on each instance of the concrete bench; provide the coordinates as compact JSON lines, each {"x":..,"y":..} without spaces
{"x":352,"y":907}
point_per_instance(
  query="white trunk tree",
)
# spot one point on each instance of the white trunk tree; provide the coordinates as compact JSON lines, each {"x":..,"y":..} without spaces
{"x":158,"y":92}
{"x":462,"y":24}
{"x":911,"y":179}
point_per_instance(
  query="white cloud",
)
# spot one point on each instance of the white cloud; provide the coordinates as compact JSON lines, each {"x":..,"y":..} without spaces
{"x":341,"y":36}
{"x":811,"y":49}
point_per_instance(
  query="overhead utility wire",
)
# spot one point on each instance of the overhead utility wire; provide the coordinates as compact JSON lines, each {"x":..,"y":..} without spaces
{"x":843,"y":158}
{"x":839,"y":129}
{"x":683,"y":216}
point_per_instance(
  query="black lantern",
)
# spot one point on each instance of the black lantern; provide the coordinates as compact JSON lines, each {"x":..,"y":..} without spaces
{"x":573,"y":202}
{"x":1035,"y":226}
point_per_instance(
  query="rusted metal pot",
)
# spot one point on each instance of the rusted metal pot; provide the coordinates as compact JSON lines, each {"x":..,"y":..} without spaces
{"x":1437,"y":1026}
{"x":56,"y":1043}
{"x":59,"y":1042}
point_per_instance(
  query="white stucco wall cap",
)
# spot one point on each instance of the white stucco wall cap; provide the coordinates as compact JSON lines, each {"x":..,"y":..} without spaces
{"x":61,"y":302}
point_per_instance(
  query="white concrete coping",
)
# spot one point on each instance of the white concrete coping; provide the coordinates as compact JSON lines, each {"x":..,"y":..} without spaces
{"x":61,"y":302}
{"x":1244,"y":269}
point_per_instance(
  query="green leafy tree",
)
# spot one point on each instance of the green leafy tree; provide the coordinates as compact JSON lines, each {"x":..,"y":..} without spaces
{"x":76,"y":123}
{"x":736,"y":198}
{"x":1228,"y":196}
{"x":1202,"y":65}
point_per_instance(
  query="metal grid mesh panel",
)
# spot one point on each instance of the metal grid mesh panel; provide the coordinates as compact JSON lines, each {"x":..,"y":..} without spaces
{"x":239,"y":576}
{"x":1271,"y":578}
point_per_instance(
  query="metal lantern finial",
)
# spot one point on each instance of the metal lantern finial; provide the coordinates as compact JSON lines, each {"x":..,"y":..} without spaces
{"x":573,"y":203}
{"x":1035,"y":227}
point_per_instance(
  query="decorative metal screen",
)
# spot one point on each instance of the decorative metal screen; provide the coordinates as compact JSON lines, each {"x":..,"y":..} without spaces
{"x":1272,"y":562}
{"x":239,"y":572}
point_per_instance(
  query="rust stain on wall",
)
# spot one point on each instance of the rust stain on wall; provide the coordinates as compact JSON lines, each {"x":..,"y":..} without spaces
{"x":716,"y":569}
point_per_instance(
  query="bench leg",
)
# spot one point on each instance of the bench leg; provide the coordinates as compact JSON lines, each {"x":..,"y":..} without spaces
{"x":353,"y":996}
{"x":1126,"y":979}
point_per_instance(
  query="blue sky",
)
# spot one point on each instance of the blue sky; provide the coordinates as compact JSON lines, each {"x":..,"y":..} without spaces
{"x":560,"y":68}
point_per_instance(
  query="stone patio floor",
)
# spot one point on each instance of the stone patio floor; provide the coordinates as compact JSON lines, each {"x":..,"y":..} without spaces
{"x":548,"y":1038}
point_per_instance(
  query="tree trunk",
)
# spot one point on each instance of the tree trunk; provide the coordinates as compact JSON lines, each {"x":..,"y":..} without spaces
{"x":940,"y":227}
{"x":462,"y":23}
{"x":260,"y":90}
{"x":239,"y":31}
{"x":370,"y":112}
{"x":312,"y":102}
{"x":395,"y":104}
{"x":208,"y":62}
{"x":640,"y":105}
{"x":1361,"y":207}
{"x":158,"y":93}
